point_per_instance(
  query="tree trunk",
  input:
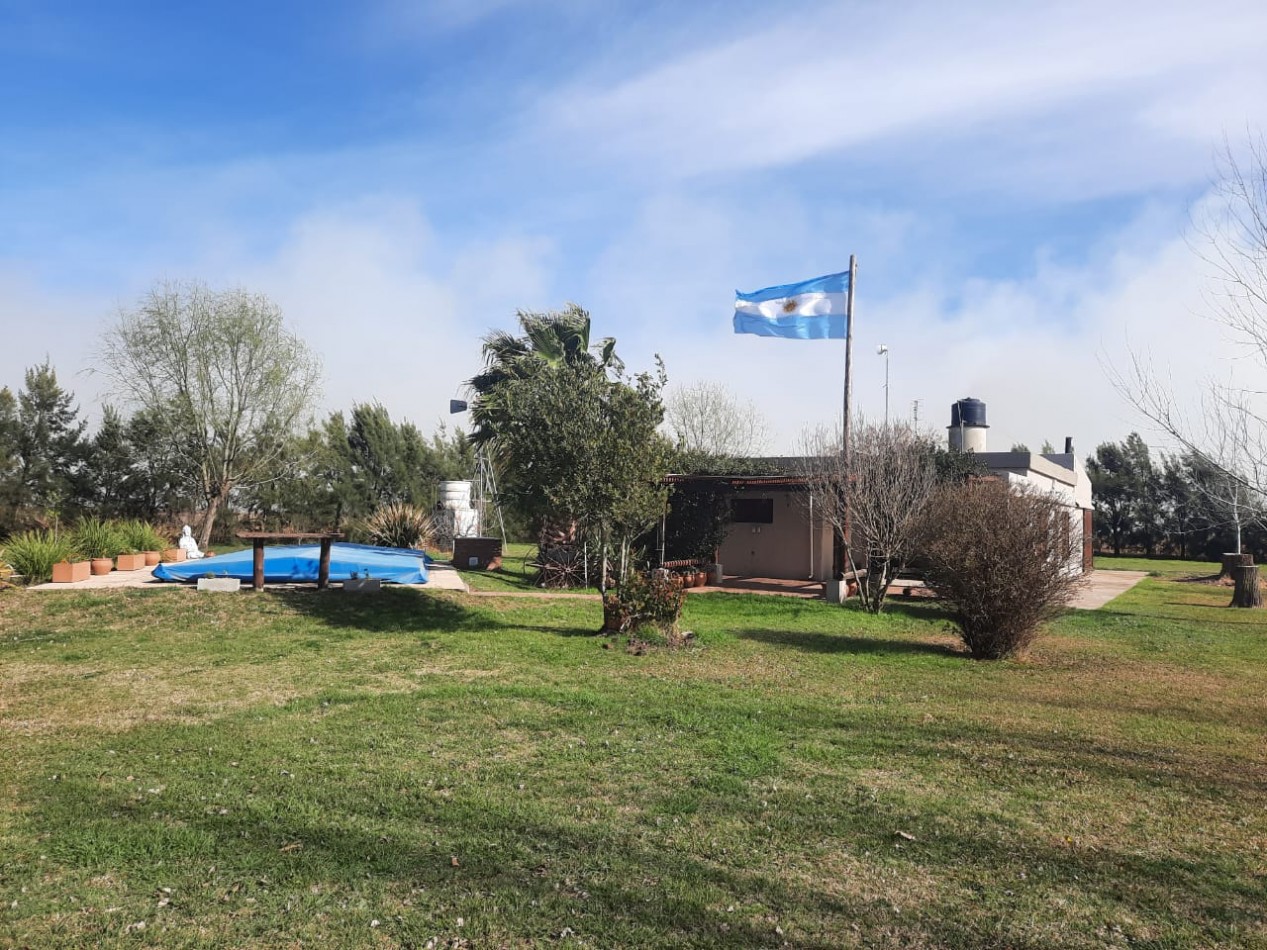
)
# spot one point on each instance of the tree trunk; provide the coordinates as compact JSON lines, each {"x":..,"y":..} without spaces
{"x":1233,"y":561}
{"x":1247,"y":592}
{"x":204,"y":533}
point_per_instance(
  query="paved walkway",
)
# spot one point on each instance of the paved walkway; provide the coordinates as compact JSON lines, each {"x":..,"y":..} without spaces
{"x":439,"y":577}
{"x":1104,"y":586}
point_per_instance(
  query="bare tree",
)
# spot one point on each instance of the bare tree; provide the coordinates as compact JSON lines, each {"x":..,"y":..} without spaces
{"x":225,"y":376}
{"x":878,"y":504}
{"x":707,"y":418}
{"x":1227,"y":427}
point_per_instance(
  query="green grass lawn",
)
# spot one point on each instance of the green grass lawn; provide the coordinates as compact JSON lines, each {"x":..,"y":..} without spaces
{"x":414,"y":770}
{"x":514,"y":576}
{"x":1157,"y":567}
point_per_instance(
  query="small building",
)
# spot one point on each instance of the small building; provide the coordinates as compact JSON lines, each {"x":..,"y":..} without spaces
{"x":775,"y":533}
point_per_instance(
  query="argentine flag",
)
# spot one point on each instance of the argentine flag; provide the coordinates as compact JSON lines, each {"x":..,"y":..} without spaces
{"x":811,"y":310}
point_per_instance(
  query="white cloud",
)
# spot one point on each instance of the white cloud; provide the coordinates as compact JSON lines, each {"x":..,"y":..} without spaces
{"x":798,"y":90}
{"x":394,"y":315}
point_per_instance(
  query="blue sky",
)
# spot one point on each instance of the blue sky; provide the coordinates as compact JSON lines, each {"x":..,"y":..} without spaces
{"x":1016,"y":181}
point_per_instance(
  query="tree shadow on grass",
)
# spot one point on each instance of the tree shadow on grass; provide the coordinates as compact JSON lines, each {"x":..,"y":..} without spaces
{"x":840,"y":643}
{"x":588,"y":874}
{"x":406,"y":610}
{"x":931,"y":611}
{"x":616,"y":881}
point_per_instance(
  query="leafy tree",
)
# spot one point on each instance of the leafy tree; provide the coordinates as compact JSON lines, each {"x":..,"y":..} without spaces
{"x":1225,"y":511}
{"x":1180,"y":514}
{"x":51,"y":446}
{"x":225,"y":377}
{"x":1127,"y":494}
{"x":10,"y":460}
{"x":584,"y":448}
{"x":111,"y":465}
{"x":350,"y":467}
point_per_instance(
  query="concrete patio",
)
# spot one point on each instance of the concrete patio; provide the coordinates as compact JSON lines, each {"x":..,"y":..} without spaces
{"x":439,"y":577}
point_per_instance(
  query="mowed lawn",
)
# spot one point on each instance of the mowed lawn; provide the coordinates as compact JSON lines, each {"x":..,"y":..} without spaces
{"x":418,"y":770}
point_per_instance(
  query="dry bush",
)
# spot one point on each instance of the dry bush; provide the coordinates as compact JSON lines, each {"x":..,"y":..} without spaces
{"x":1001,"y":558}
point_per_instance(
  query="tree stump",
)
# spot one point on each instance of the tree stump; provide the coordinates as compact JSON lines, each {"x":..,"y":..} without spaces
{"x":1233,"y":561}
{"x":1247,"y":592}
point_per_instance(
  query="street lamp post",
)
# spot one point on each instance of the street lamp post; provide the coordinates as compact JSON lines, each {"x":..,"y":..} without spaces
{"x":883,"y":350}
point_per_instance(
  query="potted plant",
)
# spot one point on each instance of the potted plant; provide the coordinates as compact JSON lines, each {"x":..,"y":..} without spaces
{"x":142,"y":537}
{"x":129,"y":559}
{"x":98,"y":541}
{"x":39,"y":556}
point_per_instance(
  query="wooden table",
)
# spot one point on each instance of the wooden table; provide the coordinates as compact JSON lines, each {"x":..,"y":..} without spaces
{"x":258,"y":539}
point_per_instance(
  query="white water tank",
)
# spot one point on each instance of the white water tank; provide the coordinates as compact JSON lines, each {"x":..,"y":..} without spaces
{"x":455,"y":517}
{"x":455,"y":496}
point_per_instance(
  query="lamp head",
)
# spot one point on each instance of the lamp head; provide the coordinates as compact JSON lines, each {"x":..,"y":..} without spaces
{"x":457,"y":405}
{"x":881,"y":350}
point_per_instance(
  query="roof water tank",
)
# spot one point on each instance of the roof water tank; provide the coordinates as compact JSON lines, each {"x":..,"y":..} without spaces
{"x":968,"y":412}
{"x":455,"y":496}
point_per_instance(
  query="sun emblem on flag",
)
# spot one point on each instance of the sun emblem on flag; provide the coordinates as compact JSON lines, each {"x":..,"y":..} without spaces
{"x":789,"y":305}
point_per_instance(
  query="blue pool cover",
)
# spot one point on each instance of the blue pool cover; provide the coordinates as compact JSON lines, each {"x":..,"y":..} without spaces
{"x":298,"y":563}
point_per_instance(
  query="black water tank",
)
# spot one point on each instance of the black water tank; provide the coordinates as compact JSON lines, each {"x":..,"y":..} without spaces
{"x":968,"y":412}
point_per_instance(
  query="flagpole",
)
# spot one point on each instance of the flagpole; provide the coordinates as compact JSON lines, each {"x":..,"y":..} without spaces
{"x":844,"y":450}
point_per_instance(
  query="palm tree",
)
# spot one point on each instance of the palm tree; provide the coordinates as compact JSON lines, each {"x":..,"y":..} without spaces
{"x":551,"y":339}
{"x":548,"y":340}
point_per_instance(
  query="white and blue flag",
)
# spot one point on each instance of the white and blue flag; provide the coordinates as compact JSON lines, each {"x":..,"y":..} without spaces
{"x":811,"y":310}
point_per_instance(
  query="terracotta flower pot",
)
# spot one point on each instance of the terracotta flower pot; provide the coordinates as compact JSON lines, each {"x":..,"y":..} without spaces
{"x":102,"y":565}
{"x":152,"y":558}
{"x":173,"y":554}
{"x":70,"y":572}
{"x":129,"y":562}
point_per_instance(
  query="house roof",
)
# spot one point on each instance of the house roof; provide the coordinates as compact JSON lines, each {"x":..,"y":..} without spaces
{"x":739,"y":482}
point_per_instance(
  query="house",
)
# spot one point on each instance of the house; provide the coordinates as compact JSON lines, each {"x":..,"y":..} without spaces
{"x":775,"y":533}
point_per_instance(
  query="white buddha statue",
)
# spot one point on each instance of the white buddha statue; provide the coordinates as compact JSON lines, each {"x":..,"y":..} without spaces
{"x":189,"y":545}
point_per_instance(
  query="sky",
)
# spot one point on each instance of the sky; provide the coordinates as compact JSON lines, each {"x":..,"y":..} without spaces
{"x":1018,"y":182}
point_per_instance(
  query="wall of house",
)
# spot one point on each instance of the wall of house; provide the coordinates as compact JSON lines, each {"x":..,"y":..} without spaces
{"x":791,"y":547}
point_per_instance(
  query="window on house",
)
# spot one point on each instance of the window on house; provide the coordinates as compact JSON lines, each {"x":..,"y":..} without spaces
{"x":752,"y":510}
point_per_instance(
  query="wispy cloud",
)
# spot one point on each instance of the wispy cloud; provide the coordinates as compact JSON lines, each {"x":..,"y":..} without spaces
{"x":853,"y":75}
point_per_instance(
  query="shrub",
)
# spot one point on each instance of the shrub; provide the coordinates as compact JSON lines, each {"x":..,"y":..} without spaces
{"x":643,"y":600}
{"x":1000,"y":558}
{"x":95,"y":538}
{"x":33,"y":554}
{"x":398,"y":525}
{"x":141,"y":536}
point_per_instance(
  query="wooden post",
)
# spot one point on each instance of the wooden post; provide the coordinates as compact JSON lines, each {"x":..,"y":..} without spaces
{"x":323,"y":567}
{"x":257,"y":580}
{"x":1247,"y":592}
